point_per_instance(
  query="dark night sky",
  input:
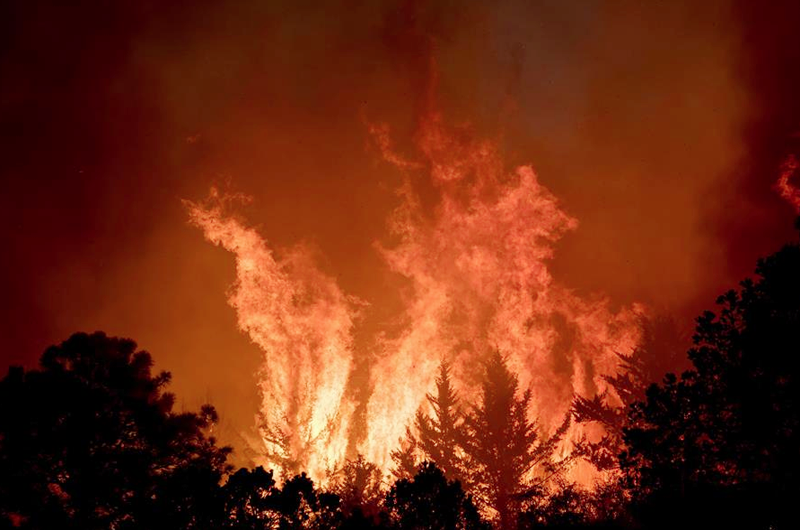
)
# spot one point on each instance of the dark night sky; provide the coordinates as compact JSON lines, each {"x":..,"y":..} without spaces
{"x":660,"y":128}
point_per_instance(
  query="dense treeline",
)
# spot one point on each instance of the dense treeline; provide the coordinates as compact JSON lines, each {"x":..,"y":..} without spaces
{"x":90,"y":440}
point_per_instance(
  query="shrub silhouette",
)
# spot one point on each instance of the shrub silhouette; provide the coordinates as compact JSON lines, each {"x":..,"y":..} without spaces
{"x":429,"y":501}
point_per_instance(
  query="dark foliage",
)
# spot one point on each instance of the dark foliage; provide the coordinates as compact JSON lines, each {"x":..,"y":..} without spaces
{"x":721,"y":443}
{"x":253,"y":501}
{"x":249,"y":500}
{"x":299,"y":505}
{"x":358,"y":485}
{"x":657,"y":354}
{"x":564,"y":509}
{"x":430,"y":501}
{"x":90,"y":440}
{"x":503,"y":446}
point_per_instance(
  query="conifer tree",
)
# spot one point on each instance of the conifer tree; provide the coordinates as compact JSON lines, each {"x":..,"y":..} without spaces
{"x":503,"y":446}
{"x":658,"y":352}
{"x":441,"y":436}
{"x":405,"y":457}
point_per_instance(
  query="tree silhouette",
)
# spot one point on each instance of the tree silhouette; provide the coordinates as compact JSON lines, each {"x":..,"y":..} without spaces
{"x":90,"y":441}
{"x":441,"y":436}
{"x":503,"y":446}
{"x":254,"y":502}
{"x":358,"y":485}
{"x":723,"y":439}
{"x":429,"y":501}
{"x":565,"y":508}
{"x":300,"y":506}
{"x":405,"y":457}
{"x":437,"y":438}
{"x":249,"y":500}
{"x":657,"y":354}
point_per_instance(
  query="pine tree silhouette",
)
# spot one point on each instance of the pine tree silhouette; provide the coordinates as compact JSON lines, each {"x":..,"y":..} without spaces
{"x":503,"y":446}
{"x":441,"y":436}
{"x":658,"y":352}
{"x":405,"y":457}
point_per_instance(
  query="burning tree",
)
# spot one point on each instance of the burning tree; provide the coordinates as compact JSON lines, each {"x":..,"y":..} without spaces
{"x":719,"y":444}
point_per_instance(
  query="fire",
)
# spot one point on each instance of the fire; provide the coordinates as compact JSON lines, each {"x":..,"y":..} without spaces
{"x":477,"y":265}
{"x":785,"y":188}
{"x":303,"y":323}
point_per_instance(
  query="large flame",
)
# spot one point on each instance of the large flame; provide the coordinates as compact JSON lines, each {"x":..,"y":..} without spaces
{"x":480,"y":279}
{"x":477,"y":266}
{"x":303,"y":323}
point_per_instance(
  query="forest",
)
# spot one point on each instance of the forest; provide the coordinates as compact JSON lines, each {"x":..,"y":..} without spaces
{"x":91,"y":440}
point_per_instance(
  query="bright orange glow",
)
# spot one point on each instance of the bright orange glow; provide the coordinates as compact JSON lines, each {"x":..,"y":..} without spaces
{"x":477,"y":267}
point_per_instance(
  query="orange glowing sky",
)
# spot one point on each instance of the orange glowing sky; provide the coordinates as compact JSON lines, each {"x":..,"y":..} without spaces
{"x":660,"y":127}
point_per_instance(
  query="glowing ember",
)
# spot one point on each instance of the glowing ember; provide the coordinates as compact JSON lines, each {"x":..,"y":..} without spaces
{"x":477,"y":265}
{"x":787,"y":190}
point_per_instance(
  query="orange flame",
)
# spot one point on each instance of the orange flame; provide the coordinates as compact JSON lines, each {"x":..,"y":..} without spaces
{"x":480,"y":280}
{"x":477,"y":265}
{"x":785,"y":188}
{"x":303,"y":322}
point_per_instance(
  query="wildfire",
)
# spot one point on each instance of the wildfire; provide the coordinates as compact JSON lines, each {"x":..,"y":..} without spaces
{"x":478,"y":269}
{"x":303,"y":323}
{"x":785,"y":188}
